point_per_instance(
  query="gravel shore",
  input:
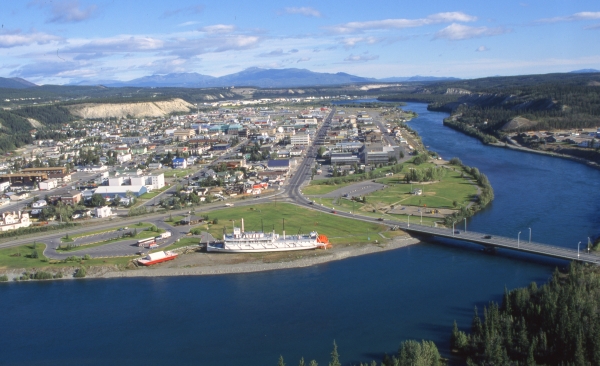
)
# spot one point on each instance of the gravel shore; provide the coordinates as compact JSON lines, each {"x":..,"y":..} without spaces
{"x":256,"y":266}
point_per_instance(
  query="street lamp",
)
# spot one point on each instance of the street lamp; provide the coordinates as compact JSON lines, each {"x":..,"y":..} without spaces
{"x":452,"y":228}
{"x":465,"y":224}
{"x":578,"y":249}
{"x":529,"y":235}
{"x":408,"y":220}
{"x":518,"y":239}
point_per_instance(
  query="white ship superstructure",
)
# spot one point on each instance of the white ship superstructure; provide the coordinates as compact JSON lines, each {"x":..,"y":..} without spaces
{"x":241,"y":241}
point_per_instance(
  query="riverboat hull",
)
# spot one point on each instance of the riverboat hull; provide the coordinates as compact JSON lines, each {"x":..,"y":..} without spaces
{"x":159,"y":258}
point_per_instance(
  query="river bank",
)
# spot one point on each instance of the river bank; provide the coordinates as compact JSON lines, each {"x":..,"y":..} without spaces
{"x":521,"y":148}
{"x":202,"y":263}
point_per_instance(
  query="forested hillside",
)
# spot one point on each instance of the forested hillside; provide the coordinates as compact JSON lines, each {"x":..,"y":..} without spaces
{"x":487,"y":106}
{"x":556,"y":324}
{"x":14,"y":131}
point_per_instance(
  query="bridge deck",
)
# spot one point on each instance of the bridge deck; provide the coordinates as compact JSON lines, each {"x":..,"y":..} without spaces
{"x":503,"y":242}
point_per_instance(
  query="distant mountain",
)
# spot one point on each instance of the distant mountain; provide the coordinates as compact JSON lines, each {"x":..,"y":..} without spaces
{"x":251,"y":77}
{"x":15,"y":83}
{"x":181,"y":80}
{"x":254,"y":76}
{"x":277,"y":78}
{"x":417,"y":78}
{"x":584,"y":71}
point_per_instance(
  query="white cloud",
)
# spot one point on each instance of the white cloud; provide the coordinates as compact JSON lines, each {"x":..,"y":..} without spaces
{"x":187,"y":24}
{"x":119,"y":44}
{"x":584,"y":15}
{"x":482,"y":49}
{"x":403,"y":23}
{"x":361,"y":58}
{"x":15,"y":38}
{"x":218,"y":28}
{"x":306,"y":11}
{"x":353,"y":41}
{"x":65,"y":11}
{"x":303,"y":59}
{"x":456,"y":32}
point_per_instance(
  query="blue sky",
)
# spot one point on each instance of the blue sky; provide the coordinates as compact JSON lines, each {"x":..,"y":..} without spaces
{"x":64,"y":41}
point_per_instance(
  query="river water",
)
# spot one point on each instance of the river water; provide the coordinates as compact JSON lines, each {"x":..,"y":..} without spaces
{"x":368,"y":304}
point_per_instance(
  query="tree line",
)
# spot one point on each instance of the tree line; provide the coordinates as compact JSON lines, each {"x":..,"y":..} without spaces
{"x":556,"y":324}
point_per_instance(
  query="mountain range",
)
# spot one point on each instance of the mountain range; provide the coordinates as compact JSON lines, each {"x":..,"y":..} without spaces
{"x":252,"y":77}
{"x":15,"y":83}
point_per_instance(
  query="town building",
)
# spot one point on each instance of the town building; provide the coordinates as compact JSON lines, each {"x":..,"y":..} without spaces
{"x":14,"y":220}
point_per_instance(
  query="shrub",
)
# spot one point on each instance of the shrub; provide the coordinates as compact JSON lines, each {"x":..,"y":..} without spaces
{"x":3,"y":278}
{"x":58,"y":275}
{"x":42,"y":276}
{"x":81,"y":272}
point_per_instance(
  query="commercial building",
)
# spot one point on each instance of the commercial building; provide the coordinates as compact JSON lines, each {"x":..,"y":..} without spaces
{"x":379,"y":154}
{"x":300,"y":139}
{"x":59,"y":173}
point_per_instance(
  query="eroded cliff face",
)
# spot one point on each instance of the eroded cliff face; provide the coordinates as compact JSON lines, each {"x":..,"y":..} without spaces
{"x":134,"y":110}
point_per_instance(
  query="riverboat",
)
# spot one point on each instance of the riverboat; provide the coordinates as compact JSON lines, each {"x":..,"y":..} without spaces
{"x":241,"y":241}
{"x":158,"y":257}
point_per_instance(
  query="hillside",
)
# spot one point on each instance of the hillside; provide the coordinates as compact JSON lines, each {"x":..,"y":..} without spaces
{"x":133,"y":110}
{"x":494,"y":106}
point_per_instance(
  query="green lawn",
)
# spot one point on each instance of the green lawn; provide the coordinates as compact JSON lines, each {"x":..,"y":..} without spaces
{"x":339,"y":230}
{"x":183,"y":242}
{"x":174,"y":219}
{"x":150,"y":195}
{"x":8,"y":259}
{"x":177,"y":173}
{"x":441,"y":194}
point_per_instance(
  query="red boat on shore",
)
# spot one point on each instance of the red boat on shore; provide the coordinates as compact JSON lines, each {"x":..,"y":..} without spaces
{"x":158,"y":257}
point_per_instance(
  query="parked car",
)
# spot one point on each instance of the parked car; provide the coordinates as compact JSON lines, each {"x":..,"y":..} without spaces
{"x":487,"y":237}
{"x":456,"y":231}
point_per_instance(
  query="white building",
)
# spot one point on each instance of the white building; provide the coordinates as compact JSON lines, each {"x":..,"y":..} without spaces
{"x":48,"y":184}
{"x":103,"y":212}
{"x":14,"y":220}
{"x":300,"y":139}
{"x":39,"y":204}
{"x":123,"y":158}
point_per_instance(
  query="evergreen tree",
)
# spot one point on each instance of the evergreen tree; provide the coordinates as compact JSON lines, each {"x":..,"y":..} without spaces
{"x":335,"y":357}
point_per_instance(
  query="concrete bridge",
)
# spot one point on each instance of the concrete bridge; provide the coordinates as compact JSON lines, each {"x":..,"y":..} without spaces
{"x":493,"y":241}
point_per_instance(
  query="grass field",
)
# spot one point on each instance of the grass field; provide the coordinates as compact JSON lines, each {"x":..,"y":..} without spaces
{"x":10,"y":259}
{"x":150,"y":195}
{"x":339,"y":230}
{"x":177,"y":173}
{"x":440,"y":194}
{"x":183,"y":242}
